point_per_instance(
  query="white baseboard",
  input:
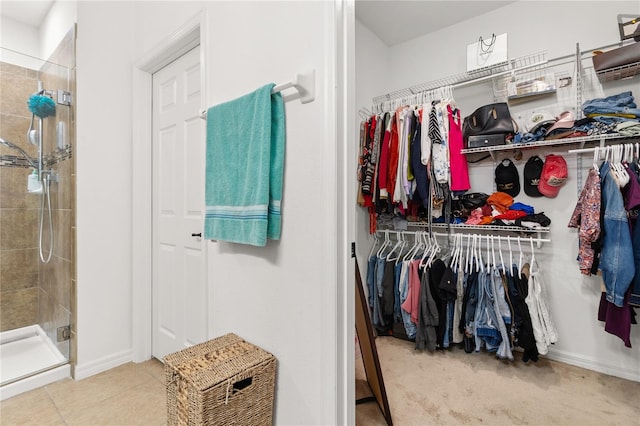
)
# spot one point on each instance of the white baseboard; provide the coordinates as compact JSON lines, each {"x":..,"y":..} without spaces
{"x":82,"y":371}
{"x":592,"y":364}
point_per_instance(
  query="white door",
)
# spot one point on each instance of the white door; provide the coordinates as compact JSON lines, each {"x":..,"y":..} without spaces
{"x":179,"y":259}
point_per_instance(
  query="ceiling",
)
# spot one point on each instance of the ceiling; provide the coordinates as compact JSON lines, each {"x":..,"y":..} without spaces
{"x":29,"y":12}
{"x":393,"y":21}
{"x":398,"y":21}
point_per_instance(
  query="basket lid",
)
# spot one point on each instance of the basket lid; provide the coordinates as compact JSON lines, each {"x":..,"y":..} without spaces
{"x":209,"y":363}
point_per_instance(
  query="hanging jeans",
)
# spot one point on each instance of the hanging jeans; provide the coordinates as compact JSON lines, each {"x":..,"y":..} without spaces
{"x":379,"y":275}
{"x":371,"y":279}
{"x":397,"y":314}
{"x":486,"y":322}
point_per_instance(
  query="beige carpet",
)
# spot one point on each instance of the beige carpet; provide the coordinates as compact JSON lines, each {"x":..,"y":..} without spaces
{"x":455,"y":388}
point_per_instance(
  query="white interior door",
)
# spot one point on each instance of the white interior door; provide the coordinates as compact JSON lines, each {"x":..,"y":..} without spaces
{"x":179,"y":260}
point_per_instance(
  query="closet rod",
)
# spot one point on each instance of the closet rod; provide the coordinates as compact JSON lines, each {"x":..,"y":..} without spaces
{"x":602,"y":148}
{"x":304,"y":83}
{"x":497,"y":237}
{"x":464,"y":234}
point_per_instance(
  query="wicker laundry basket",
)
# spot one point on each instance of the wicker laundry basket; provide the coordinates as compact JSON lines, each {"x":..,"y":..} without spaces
{"x":225,"y":381}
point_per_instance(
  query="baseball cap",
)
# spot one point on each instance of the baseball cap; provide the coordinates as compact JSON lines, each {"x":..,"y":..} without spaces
{"x":507,"y":178}
{"x":538,"y":119}
{"x":532,"y":172}
{"x":564,"y":121}
{"x":554,"y":174}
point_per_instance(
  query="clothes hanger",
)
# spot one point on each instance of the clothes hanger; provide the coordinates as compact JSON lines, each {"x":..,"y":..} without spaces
{"x":533,"y":256}
{"x":596,"y":157}
{"x":416,"y":244}
{"x":395,"y":247}
{"x":493,"y":252}
{"x":479,"y":259}
{"x":457,"y":252}
{"x":447,"y":255}
{"x":384,"y":245}
{"x":376,"y":240}
{"x":426,"y":252}
{"x":454,"y":252}
{"x":487,"y":262}
{"x":401,"y":249}
{"x":461,"y":257}
{"x":521,"y":258}
{"x":625,"y":153}
{"x":466,"y":260}
{"x":510,"y":253}
{"x":436,"y":250}
{"x":474,"y":258}
{"x":500,"y":252}
{"x":622,"y":171}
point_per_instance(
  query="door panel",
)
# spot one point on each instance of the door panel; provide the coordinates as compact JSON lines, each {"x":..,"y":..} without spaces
{"x":179,"y":271}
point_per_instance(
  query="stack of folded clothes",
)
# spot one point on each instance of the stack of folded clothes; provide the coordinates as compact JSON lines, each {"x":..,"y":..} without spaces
{"x":501,"y":209}
{"x":613,"y":114}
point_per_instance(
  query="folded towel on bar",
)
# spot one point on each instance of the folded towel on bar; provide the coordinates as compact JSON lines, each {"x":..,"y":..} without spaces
{"x":244,"y":168}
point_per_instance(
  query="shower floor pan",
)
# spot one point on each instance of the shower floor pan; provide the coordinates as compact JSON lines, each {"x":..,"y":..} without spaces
{"x":28,"y":360}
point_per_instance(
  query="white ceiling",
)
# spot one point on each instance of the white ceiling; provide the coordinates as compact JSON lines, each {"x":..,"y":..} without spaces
{"x":393,"y":21}
{"x":29,"y":12}
{"x":398,"y":21}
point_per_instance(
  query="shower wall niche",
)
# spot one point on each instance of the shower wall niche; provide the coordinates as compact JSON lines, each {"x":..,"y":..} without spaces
{"x":32,"y":292}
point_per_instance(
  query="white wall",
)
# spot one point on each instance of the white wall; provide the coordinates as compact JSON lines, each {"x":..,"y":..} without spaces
{"x":38,"y":42}
{"x":21,"y":38}
{"x":555,"y":27}
{"x":59,"y":20}
{"x":103,"y":185}
{"x":281,"y":297}
{"x":372,"y":69}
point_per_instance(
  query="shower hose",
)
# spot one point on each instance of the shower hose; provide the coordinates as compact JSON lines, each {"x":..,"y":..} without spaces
{"x":45,"y":193}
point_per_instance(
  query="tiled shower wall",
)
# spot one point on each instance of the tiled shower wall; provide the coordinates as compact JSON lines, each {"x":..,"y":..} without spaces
{"x":18,"y":210}
{"x":30,"y":291}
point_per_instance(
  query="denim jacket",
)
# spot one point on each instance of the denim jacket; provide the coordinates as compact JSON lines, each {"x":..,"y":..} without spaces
{"x":616,"y":260}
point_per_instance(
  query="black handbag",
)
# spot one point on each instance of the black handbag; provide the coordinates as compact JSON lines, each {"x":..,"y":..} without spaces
{"x":492,"y":119}
{"x":466,"y":203}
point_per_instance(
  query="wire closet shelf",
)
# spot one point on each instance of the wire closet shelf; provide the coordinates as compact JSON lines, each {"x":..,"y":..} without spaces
{"x":414,"y":94}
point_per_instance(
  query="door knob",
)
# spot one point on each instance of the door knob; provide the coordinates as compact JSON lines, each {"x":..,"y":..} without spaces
{"x":199,"y":234}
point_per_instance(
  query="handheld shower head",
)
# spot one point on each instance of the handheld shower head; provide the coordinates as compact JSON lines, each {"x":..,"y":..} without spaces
{"x":30,"y":160}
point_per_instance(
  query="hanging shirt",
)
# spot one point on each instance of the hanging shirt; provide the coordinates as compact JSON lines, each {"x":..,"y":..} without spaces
{"x":392,"y":170}
{"x":384,"y":157}
{"x":367,"y":166}
{"x":586,"y":217}
{"x":425,"y":140}
{"x":457,"y":160}
{"x":440,"y":160}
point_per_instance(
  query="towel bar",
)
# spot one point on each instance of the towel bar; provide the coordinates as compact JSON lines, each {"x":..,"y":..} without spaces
{"x":304,"y":83}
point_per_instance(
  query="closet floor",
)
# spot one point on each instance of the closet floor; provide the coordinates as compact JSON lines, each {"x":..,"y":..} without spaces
{"x":453,"y":387}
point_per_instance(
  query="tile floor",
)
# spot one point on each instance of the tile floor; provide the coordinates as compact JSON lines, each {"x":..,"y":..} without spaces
{"x":131,"y":394}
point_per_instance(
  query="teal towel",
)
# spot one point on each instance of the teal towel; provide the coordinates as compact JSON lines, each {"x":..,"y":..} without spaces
{"x":244,"y":168}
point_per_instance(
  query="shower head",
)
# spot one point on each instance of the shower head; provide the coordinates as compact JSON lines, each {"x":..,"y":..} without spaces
{"x":30,"y":160}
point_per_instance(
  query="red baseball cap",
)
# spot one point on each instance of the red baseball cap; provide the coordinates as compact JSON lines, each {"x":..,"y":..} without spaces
{"x":554,"y":175}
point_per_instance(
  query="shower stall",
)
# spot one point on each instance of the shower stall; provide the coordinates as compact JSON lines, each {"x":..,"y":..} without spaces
{"x":37,"y":220}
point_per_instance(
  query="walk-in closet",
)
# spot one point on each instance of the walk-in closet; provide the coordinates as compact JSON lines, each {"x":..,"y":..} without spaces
{"x":507,"y":262}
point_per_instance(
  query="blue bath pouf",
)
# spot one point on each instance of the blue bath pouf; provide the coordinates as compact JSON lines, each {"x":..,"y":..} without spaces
{"x":42,"y":106}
